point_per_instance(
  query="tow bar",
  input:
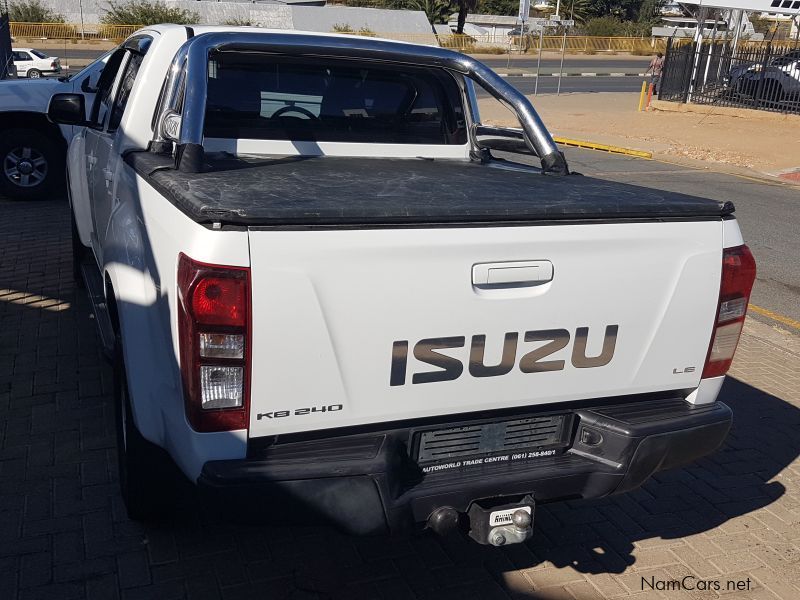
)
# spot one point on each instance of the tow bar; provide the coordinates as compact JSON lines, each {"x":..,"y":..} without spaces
{"x":488,"y":523}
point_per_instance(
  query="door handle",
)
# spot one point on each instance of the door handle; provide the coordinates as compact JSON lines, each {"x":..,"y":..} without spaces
{"x":513,"y":274}
{"x":108,"y":175}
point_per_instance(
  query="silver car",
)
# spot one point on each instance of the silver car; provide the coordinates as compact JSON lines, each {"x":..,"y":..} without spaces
{"x":778,"y":81}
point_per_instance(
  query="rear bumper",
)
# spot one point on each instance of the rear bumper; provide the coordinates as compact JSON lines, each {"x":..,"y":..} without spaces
{"x":367,"y":483}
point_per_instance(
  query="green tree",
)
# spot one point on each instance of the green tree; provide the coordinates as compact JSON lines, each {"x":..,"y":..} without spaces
{"x":437,"y":11}
{"x":623,"y":10}
{"x":32,"y":11}
{"x":498,"y":7}
{"x":464,"y":6}
{"x":145,"y":12}
{"x":603,"y":26}
{"x":578,"y":10}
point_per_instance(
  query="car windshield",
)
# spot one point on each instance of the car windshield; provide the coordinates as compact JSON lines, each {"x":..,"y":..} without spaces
{"x":103,"y":58}
{"x":259,"y":96}
{"x":38,"y":54}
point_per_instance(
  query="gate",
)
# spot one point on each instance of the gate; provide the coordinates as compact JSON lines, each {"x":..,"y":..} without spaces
{"x":762,"y":76}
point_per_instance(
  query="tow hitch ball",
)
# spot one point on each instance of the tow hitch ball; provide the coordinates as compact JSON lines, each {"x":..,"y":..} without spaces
{"x":496,"y":525}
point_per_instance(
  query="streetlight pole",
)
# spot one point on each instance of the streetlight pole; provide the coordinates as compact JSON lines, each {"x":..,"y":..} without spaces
{"x":80,"y":8}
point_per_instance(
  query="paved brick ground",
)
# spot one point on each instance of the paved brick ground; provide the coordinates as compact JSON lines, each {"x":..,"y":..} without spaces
{"x":63,"y":532}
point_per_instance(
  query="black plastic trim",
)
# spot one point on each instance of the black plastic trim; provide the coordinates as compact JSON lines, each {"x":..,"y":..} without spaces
{"x":368,"y":481}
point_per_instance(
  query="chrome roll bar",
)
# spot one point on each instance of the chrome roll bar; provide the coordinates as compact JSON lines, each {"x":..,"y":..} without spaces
{"x":181,"y":112}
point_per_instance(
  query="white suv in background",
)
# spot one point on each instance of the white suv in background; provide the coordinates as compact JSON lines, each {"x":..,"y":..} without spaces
{"x":33,"y":63}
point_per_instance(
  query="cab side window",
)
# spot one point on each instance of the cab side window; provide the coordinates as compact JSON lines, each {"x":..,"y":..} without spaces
{"x":124,"y":91}
{"x":105,"y":89}
{"x":116,"y":82}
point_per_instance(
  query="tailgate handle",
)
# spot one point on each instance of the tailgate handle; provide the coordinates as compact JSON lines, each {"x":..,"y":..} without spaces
{"x":512,"y":274}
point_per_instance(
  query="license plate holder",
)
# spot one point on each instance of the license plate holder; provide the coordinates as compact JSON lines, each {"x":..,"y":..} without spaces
{"x":473,"y":443}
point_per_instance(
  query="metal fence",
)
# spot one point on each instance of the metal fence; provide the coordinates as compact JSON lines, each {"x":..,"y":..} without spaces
{"x":763,"y":76}
{"x":68,"y":31}
{"x":493,"y":42}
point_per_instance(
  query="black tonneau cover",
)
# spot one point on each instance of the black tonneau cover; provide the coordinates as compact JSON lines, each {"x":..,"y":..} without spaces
{"x":338,"y":191}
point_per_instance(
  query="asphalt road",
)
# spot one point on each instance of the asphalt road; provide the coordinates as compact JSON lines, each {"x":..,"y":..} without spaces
{"x":549,"y":84}
{"x":768,"y":214}
{"x":551,"y":62}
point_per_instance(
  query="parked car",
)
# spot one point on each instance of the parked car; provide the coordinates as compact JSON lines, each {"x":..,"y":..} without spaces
{"x":779,"y":81}
{"x":32,"y":63}
{"x":327,"y":299}
{"x":32,"y":149}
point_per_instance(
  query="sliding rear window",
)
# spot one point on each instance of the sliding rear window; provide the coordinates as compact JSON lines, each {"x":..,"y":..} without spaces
{"x":260,"y":96}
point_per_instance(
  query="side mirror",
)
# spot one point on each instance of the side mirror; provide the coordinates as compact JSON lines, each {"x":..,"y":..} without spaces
{"x":67,"y":109}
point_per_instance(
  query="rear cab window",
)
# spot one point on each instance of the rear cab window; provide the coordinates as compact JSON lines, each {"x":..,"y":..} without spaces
{"x":265,"y":97}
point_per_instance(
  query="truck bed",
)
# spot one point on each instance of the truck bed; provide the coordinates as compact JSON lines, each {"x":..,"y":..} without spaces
{"x":344,"y":191}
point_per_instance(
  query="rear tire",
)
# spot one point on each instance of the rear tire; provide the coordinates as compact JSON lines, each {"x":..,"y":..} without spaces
{"x":147,"y":482}
{"x":31,"y":164}
{"x":34,"y":73}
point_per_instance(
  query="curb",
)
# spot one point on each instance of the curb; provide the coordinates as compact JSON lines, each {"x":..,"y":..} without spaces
{"x":791,"y":176}
{"x":779,"y":318}
{"x":573,"y":74}
{"x":602,"y":147}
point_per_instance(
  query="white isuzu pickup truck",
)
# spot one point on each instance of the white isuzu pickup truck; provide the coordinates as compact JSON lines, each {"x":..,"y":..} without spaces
{"x":327,"y":295}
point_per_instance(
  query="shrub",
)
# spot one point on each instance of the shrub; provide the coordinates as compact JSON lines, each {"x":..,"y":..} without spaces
{"x":643,"y":51}
{"x":145,"y":12}
{"x":491,"y":50}
{"x":32,"y":11}
{"x":342,"y":28}
{"x":604,"y":27}
{"x":238,"y":22}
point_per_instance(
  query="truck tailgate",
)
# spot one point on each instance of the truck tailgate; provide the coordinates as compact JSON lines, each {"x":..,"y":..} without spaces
{"x":355,"y":326}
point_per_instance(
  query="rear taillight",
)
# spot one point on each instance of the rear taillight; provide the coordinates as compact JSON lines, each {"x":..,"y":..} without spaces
{"x":53,"y":65}
{"x":738,"y":275}
{"x":214,"y":333}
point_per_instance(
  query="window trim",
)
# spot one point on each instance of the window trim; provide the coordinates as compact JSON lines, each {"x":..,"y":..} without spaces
{"x":139,"y":45}
{"x":130,"y":56}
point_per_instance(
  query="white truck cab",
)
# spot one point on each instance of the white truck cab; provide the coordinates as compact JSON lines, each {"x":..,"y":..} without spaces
{"x":328,"y":295}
